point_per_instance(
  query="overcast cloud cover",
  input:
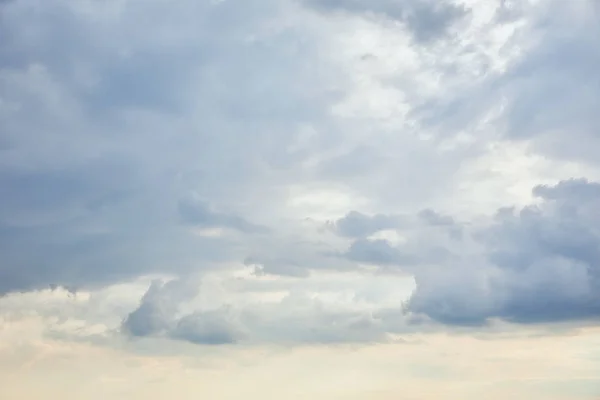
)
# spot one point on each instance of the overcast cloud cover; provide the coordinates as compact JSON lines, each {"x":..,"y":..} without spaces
{"x":298,"y":172}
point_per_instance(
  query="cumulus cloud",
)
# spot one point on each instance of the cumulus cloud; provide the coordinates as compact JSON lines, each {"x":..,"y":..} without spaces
{"x":537,"y":264}
{"x":295,"y":318}
{"x":157,"y":315}
{"x":152,"y":315}
{"x":213,"y":328}
{"x":398,"y":240}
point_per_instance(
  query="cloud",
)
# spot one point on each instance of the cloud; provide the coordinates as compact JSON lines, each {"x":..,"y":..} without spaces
{"x":356,"y":224}
{"x":549,"y":93}
{"x":433,"y":218}
{"x":107,"y":131}
{"x":103,"y":138}
{"x":426,"y":20}
{"x":296,"y":318}
{"x":278,"y":266}
{"x":198,"y":213}
{"x":157,"y":315}
{"x":537,"y":264}
{"x":399,"y":241}
{"x":223,"y":139}
{"x":212,"y":328}
{"x":378,"y":252}
{"x":151,"y":317}
{"x":572,"y":190}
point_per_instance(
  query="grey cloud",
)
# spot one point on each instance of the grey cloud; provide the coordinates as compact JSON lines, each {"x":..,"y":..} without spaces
{"x":296,"y":254}
{"x":41,"y":197}
{"x":446,"y":222}
{"x":578,"y":190}
{"x":289,"y":257}
{"x":209,"y":327}
{"x":538,"y":264}
{"x":509,"y":10}
{"x":530,"y":265}
{"x":157,"y":316}
{"x":551,"y":95}
{"x":548,"y":94}
{"x":378,"y":252}
{"x":197,"y":212}
{"x":382,"y":253}
{"x":431,"y":217}
{"x":295,"y":319}
{"x":426,"y":20}
{"x":151,"y":317}
{"x":356,"y":224}
{"x":105,"y":130}
{"x":106,"y":125}
{"x":84,"y":225}
{"x":277,"y":266}
{"x":425,"y":235}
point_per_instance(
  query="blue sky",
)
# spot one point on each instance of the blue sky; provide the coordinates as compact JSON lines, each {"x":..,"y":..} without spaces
{"x":383,"y":191}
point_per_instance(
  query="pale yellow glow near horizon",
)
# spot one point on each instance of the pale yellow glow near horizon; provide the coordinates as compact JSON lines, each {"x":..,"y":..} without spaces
{"x":426,"y":367}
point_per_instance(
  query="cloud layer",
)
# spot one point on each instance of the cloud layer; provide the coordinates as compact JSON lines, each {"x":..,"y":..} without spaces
{"x":449,"y":144}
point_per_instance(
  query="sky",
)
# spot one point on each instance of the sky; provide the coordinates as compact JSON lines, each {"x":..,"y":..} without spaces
{"x":300,"y":199}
